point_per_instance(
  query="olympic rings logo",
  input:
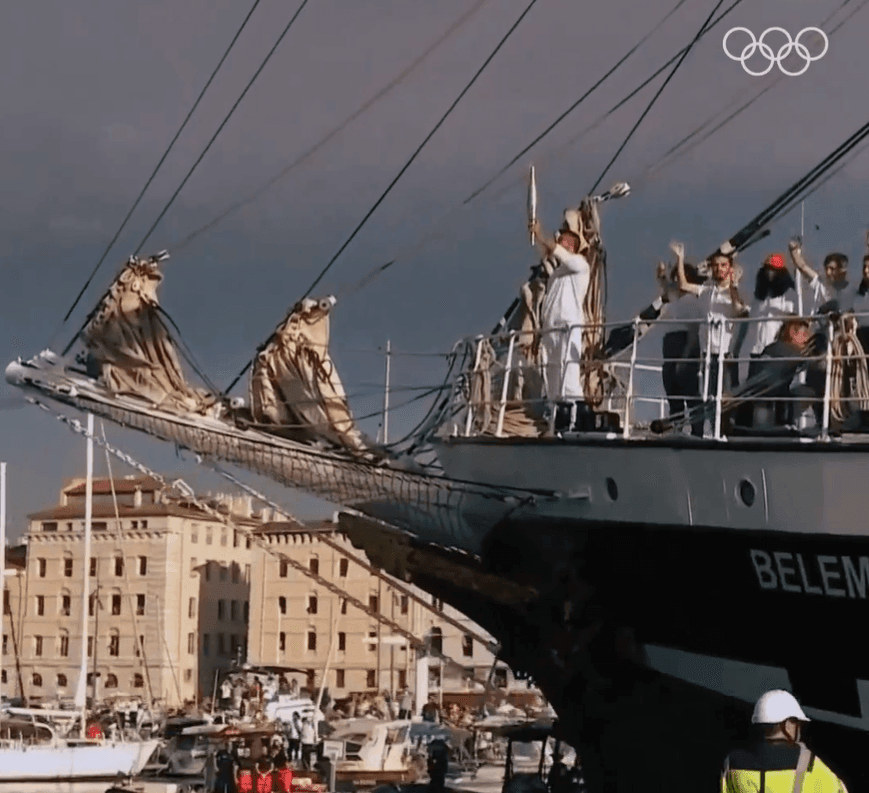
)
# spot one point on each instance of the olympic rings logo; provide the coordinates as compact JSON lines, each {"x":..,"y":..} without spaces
{"x":775,"y":58}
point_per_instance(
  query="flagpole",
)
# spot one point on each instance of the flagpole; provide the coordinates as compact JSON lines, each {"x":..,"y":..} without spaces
{"x":81,"y":691}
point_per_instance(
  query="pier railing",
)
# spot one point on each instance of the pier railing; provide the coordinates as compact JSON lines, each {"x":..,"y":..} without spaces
{"x":523,"y":383}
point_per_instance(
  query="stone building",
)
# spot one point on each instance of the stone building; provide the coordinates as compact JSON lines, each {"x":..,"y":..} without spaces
{"x":167,"y":601}
{"x":297,"y":622}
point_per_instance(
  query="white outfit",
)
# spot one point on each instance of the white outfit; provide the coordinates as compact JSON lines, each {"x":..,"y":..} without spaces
{"x":822,"y":292}
{"x":562,"y":307}
{"x":687,"y":308}
{"x":714,"y":301}
{"x":861,"y":306}
{"x":769,"y":311}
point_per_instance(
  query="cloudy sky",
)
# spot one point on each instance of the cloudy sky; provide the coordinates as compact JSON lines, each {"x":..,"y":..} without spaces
{"x":93,"y":91}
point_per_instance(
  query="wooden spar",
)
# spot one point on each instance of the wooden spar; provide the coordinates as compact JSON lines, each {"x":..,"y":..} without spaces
{"x":532,"y":202}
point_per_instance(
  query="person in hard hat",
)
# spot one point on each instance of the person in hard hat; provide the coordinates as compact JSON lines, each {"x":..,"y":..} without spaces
{"x":779,"y":762}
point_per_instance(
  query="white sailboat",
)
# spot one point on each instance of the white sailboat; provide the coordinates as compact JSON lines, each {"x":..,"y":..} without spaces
{"x":31,"y":748}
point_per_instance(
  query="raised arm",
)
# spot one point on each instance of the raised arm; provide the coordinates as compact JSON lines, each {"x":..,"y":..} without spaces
{"x":546,"y":244}
{"x":795,"y":249}
{"x":684,"y":284}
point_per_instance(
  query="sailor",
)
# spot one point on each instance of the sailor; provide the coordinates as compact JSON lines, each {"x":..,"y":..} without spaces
{"x":405,"y":710}
{"x":225,"y":693}
{"x":309,"y":738}
{"x":775,"y":297}
{"x":834,"y":293}
{"x":438,"y":760}
{"x":562,"y":313}
{"x":224,"y":766}
{"x":778,"y":761}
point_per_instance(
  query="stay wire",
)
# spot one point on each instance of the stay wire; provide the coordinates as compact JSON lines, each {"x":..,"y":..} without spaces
{"x":223,"y":124}
{"x":160,"y":163}
{"x":395,"y":180}
{"x":336,"y":131}
{"x":575,"y":105}
{"x":651,"y":104}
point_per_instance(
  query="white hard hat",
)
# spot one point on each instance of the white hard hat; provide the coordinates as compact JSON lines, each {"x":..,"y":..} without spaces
{"x":776,"y":706}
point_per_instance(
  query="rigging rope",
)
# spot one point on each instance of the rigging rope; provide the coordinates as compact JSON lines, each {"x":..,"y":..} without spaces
{"x":575,"y":105}
{"x":398,"y":176}
{"x":670,"y":76}
{"x":159,"y":164}
{"x":223,"y":124}
{"x":340,"y":128}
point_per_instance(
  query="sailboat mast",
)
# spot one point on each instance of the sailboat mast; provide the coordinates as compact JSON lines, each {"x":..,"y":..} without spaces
{"x":798,"y":273}
{"x":2,"y":555}
{"x":386,"y":394}
{"x":81,"y":694}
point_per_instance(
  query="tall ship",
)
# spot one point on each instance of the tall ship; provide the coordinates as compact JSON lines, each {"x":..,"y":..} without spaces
{"x":630,"y":568}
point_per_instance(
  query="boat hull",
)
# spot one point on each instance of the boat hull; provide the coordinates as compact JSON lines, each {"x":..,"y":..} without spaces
{"x":77,"y":761}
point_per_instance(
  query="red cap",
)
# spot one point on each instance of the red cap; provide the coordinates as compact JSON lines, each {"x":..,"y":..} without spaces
{"x":776,"y":261}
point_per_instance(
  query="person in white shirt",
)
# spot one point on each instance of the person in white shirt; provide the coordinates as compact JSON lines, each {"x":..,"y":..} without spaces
{"x":720,"y":303}
{"x":861,"y":302}
{"x":834,"y":293}
{"x":775,"y":297}
{"x":562,"y":308}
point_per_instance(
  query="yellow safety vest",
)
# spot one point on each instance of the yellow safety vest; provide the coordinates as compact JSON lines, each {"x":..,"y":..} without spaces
{"x":797,"y":770}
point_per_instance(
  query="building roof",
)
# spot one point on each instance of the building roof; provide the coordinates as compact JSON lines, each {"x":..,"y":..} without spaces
{"x":125,"y":485}
{"x":76,"y":511}
{"x":296,"y":527}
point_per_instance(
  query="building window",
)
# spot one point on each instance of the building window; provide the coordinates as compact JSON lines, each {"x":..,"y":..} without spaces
{"x":194,"y":532}
{"x":209,"y":536}
{"x":247,"y":543}
{"x":116,"y":605}
{"x":143,"y":565}
{"x":282,"y":642}
{"x":223,"y":572}
{"x":93,"y":570}
{"x":37,"y":680}
{"x":404,"y":604}
{"x":402,"y":678}
{"x":235,"y":572}
{"x":144,"y":524}
{"x":437,"y":640}
{"x":282,"y":604}
{"x":191,"y":608}
{"x":236,"y":540}
{"x":191,"y":643}
{"x":134,"y":524}
{"x":90,"y":646}
{"x":37,"y":645}
{"x":5,"y":644}
{"x":467,"y":646}
{"x":99,"y":525}
{"x":61,"y":680}
{"x":139,"y":645}
{"x":312,"y":640}
{"x":92,"y":603}
{"x":193,"y":563}
{"x":342,"y":642}
{"x":314,"y":565}
{"x":233,"y":610}
{"x":339,"y":678}
{"x":40,"y":605}
{"x":500,"y":678}
{"x":188,"y":675}
{"x":283,"y":569}
{"x":50,"y":526}
{"x":41,"y":566}
{"x":371,"y":678}
{"x":64,"y":645}
{"x":246,"y":611}
{"x":67,"y":567}
{"x":221,"y":608}
{"x":206,"y":643}
{"x":343,"y":564}
{"x":119,"y":566}
{"x":114,"y":645}
{"x":221,"y":647}
{"x":140,"y":605}
{"x":223,"y":537}
{"x":233,"y":644}
{"x":3,"y":677}
{"x":344,"y":605}
{"x":111,"y":680}
{"x":312,"y":604}
{"x":247,"y":574}
{"x":138,"y":681}
{"x":65,"y":605}
{"x":372,"y":640}
{"x":208,"y":571}
{"x":373,"y":603}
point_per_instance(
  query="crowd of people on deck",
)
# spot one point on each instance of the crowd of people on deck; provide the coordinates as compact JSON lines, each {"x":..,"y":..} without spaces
{"x":709,"y":325}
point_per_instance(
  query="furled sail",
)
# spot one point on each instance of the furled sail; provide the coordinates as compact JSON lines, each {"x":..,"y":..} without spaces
{"x":295,"y":386}
{"x":128,"y":341}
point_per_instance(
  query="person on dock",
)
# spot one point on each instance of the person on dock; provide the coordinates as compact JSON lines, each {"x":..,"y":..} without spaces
{"x":778,"y":761}
{"x":224,"y":764}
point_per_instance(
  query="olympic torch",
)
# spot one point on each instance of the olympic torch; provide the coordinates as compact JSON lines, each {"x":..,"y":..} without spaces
{"x":532,"y":202}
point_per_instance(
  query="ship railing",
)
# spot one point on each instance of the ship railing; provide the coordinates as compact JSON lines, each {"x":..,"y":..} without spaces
{"x":508,"y":371}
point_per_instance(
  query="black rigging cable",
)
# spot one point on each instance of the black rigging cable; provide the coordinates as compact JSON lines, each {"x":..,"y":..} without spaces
{"x":190,"y":172}
{"x":337,"y":130}
{"x":223,"y":123}
{"x":159,"y":164}
{"x":575,"y":105}
{"x":395,"y":180}
{"x":657,"y":94}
